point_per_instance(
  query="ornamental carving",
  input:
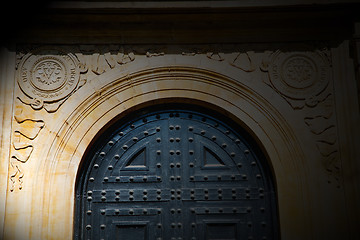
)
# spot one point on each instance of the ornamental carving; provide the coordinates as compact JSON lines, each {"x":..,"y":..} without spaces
{"x":303,"y":80}
{"x":47,"y":77}
{"x":298,"y":75}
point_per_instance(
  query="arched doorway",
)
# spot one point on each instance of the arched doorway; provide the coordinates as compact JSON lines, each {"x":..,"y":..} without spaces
{"x":174,"y":172}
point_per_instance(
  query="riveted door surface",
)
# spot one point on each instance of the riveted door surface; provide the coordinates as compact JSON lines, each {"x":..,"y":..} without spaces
{"x":175,"y":174}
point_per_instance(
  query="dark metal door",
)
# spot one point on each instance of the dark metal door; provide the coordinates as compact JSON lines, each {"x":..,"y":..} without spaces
{"x":175,"y":174}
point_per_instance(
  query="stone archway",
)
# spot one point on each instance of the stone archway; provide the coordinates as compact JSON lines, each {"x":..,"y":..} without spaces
{"x":117,"y":93}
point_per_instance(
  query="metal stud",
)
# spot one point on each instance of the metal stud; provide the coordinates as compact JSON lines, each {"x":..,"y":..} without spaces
{"x":110,"y":167}
{"x":102,"y":154}
{"x":135,"y":139}
{"x":91,"y":179}
{"x":106,"y":179}
{"x":177,"y":127}
{"x":102,"y":226}
{"x":96,"y":166}
{"x":203,"y":132}
{"x":191,"y":139}
{"x":158,"y":139}
{"x":88,"y":227}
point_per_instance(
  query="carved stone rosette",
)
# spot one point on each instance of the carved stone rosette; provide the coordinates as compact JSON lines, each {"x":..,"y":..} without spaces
{"x":47,"y":77}
{"x":299,"y":76}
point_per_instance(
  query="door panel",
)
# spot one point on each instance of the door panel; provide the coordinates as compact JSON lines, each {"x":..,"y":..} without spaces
{"x":175,"y":174}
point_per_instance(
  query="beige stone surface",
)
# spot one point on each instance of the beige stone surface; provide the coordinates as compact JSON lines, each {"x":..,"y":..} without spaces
{"x":307,"y":135}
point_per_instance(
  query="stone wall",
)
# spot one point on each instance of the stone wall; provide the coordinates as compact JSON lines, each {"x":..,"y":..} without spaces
{"x":298,"y":101}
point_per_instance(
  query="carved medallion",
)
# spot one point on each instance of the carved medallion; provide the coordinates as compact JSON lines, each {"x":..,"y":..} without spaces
{"x":48,"y":75}
{"x":299,"y":75}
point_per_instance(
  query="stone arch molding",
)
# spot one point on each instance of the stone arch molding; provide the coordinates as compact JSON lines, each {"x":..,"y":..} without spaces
{"x":116,"y":92}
